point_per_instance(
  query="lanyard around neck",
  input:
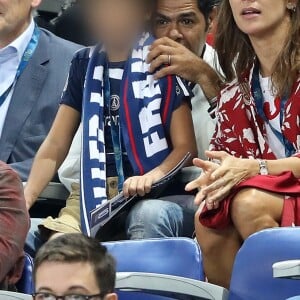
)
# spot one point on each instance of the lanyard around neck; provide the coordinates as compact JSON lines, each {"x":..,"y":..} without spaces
{"x":259,"y":103}
{"x":115,"y":132}
{"x":24,"y":62}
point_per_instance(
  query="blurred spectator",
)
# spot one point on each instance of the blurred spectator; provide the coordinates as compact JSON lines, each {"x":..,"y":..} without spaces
{"x":189,"y":60}
{"x":126,"y":163}
{"x":34,"y":65}
{"x":14,"y":224}
{"x":75,"y":266}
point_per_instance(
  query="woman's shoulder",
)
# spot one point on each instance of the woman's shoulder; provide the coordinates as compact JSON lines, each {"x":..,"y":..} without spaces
{"x":230,"y":91}
{"x":237,"y":88}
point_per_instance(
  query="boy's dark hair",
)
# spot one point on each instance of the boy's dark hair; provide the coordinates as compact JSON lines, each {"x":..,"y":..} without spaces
{"x":74,"y":248}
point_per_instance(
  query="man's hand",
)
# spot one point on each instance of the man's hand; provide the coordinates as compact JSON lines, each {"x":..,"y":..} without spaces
{"x":185,"y":64}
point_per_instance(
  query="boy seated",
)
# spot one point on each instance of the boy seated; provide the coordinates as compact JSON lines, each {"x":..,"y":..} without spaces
{"x":136,"y":128}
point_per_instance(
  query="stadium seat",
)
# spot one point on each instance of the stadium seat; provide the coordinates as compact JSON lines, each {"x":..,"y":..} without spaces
{"x":176,"y":257}
{"x":252,"y":277}
{"x":14,"y":296}
{"x":25,"y":285}
{"x":173,"y":287}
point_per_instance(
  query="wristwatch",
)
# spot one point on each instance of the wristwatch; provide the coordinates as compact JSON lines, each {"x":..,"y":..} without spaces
{"x":263,"y":168}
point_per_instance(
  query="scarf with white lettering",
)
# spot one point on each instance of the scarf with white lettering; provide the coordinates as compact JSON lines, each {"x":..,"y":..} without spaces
{"x":145,"y":115}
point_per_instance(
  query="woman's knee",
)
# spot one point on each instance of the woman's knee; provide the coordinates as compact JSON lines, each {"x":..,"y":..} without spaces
{"x":253,"y":210}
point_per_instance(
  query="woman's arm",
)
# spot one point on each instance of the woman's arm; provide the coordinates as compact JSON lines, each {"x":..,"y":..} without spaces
{"x":183,"y":141}
{"x":276,"y":167}
{"x":52,"y":152}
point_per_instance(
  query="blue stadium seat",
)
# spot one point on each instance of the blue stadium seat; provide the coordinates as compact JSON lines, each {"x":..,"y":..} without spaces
{"x":252,"y":277}
{"x":25,"y":285}
{"x":177,"y":257}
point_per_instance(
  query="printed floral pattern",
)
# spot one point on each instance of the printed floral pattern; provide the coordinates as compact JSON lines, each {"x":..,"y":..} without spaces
{"x":241,"y":132}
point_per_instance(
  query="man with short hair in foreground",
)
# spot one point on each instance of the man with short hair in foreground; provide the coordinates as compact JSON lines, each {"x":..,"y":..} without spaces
{"x":73,"y":267}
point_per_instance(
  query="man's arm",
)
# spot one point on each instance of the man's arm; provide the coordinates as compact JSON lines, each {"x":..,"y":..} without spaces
{"x":185,"y":64}
{"x":14,"y":224}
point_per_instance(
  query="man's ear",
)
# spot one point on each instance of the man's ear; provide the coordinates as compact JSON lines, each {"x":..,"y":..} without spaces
{"x":212,"y":18}
{"x":35,"y":3}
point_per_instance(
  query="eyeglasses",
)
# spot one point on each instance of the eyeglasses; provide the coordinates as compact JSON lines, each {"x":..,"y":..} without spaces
{"x":49,"y":296}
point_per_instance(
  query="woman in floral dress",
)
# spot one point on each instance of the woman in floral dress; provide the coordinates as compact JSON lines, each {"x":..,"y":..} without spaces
{"x":251,"y":181}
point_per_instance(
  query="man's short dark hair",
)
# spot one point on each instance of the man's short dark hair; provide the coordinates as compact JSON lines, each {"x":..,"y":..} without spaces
{"x":74,"y":248}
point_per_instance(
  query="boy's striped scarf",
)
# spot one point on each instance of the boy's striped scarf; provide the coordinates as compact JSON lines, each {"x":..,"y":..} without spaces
{"x":145,"y":116}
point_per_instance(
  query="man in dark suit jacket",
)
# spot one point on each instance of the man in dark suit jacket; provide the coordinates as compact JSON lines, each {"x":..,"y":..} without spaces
{"x":29,"y":108}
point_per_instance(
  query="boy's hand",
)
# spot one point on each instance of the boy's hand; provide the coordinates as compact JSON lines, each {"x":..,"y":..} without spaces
{"x":138,"y":185}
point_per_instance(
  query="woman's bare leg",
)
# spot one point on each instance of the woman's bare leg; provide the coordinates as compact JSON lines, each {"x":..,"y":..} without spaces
{"x":254,"y":210}
{"x":219,"y":248}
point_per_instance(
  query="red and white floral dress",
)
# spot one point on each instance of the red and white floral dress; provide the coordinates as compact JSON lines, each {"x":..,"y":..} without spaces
{"x":241,"y":132}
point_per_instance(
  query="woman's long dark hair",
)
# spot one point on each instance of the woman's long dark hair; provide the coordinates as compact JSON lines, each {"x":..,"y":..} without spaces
{"x":236,"y":53}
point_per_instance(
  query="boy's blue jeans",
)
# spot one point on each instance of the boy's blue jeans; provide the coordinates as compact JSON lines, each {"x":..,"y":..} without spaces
{"x":152,"y":218}
{"x":162,"y":218}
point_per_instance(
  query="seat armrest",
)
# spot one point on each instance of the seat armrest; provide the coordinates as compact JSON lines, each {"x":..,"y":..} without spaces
{"x":54,"y":191}
{"x":169,"y":286}
{"x":287,"y":269}
{"x":14,"y":296}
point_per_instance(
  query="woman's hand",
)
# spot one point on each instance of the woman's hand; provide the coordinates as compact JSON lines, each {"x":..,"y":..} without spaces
{"x":204,"y":179}
{"x":217,"y":181}
{"x":231,"y":172}
{"x":138,"y":185}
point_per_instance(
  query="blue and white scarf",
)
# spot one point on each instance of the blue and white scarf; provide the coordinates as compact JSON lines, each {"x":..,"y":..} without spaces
{"x":145,"y":115}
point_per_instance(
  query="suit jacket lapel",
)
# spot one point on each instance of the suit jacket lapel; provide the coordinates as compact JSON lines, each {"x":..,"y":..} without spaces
{"x":26,"y":94}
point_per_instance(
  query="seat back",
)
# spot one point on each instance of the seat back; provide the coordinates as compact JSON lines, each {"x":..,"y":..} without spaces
{"x":14,"y":296}
{"x":25,"y":285}
{"x":178,"y":257}
{"x":252,"y":277}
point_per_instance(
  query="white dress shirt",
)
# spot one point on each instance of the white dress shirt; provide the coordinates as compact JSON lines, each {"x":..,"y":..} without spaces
{"x":10,"y":59}
{"x":203,"y":123}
